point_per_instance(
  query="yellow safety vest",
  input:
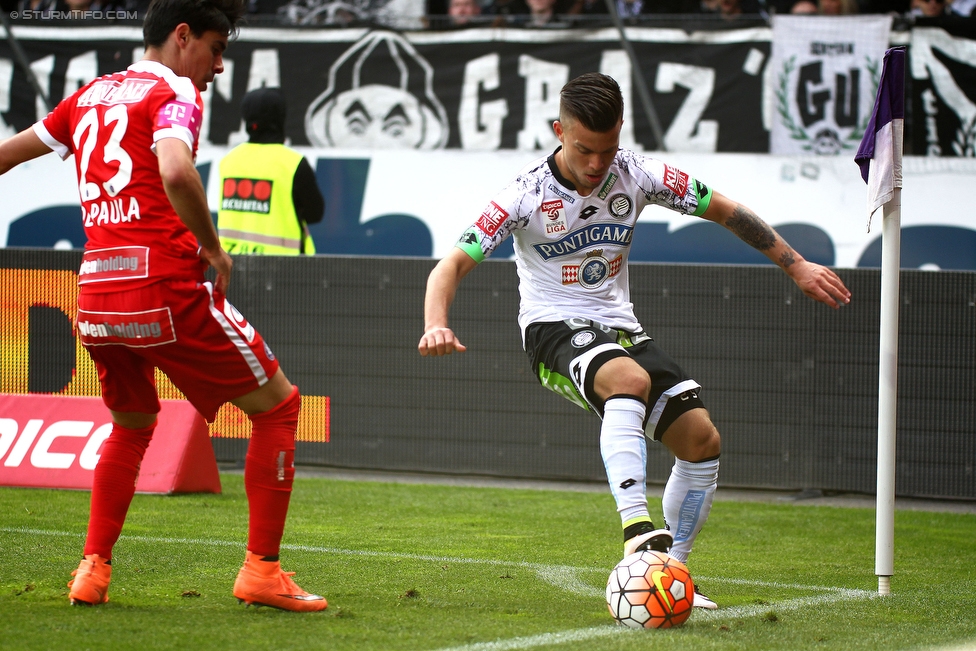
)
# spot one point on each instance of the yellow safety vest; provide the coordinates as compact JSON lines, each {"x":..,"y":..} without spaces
{"x":257,"y":214}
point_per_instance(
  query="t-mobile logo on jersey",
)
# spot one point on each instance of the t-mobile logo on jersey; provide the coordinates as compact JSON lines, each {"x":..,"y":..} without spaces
{"x":174,"y":112}
{"x":180,"y":114}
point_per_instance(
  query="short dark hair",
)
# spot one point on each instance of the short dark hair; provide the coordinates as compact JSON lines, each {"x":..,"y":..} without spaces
{"x":592,"y":99}
{"x":163,"y":16}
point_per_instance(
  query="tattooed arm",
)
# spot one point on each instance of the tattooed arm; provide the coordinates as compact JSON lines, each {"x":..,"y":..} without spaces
{"x":816,"y":281}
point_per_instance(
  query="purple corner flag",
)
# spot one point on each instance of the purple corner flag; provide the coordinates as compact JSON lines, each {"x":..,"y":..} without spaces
{"x":880,"y":153}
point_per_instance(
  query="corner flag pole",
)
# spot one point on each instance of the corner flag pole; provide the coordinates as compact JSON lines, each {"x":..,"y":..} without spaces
{"x":880,"y":158}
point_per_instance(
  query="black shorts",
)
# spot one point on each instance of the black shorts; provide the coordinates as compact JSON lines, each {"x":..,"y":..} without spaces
{"x":565,"y":356}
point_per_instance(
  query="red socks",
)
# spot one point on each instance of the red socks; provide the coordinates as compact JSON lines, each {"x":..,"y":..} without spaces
{"x":113,"y":486}
{"x":269,"y":472}
{"x":268,"y":476}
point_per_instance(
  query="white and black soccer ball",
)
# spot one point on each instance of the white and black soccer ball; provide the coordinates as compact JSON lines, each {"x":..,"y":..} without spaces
{"x":650,"y":590}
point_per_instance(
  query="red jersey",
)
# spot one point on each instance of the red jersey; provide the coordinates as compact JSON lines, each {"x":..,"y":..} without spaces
{"x":111,"y":125}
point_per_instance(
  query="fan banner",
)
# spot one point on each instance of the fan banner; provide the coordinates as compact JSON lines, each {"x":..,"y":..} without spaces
{"x":476,"y":89}
{"x":943,"y":96}
{"x":711,"y":90}
{"x":823,"y":76}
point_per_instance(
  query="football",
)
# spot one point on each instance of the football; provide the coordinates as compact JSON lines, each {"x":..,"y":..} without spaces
{"x":650,"y":590}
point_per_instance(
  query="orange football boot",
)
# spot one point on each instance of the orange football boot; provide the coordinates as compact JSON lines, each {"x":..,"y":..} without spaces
{"x":262,"y":583}
{"x":90,"y":585}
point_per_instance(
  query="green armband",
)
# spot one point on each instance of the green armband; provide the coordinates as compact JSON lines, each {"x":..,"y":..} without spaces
{"x":470,"y":243}
{"x":704,"y":195}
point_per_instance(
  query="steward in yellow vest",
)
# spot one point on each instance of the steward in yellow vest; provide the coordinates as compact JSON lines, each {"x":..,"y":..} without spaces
{"x":268,"y":191}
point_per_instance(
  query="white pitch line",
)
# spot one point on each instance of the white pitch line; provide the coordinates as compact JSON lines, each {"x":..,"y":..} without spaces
{"x":834,"y":595}
{"x":316,"y":549}
{"x":545,"y":639}
{"x":733,"y":612}
{"x":561,"y":576}
{"x":558,"y":575}
{"x":564,"y":577}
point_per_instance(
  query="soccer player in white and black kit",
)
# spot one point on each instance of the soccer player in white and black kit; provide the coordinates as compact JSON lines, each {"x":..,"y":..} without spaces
{"x":134,"y":137}
{"x":572,"y":215}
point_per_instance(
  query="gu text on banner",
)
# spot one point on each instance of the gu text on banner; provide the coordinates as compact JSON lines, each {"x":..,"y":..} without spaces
{"x":823,"y":72}
{"x":880,"y":153}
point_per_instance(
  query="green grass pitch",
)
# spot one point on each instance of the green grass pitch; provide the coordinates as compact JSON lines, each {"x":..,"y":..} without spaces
{"x":433,"y":567}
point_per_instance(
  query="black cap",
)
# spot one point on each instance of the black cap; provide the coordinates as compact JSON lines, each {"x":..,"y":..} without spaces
{"x":263,"y":110}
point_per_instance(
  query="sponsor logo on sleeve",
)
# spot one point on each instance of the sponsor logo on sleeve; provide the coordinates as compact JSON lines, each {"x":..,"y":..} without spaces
{"x":555,"y":216}
{"x":180,"y":114}
{"x":700,"y":189}
{"x":675,"y":180}
{"x":491,"y":219}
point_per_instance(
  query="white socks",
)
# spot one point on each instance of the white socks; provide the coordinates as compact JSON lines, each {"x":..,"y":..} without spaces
{"x":624,"y":451}
{"x":690,"y":488}
{"x":687,"y":501}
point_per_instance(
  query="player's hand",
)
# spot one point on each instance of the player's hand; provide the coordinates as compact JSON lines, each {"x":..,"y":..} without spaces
{"x":440,"y":341}
{"x":222,"y":264}
{"x":821,"y":284}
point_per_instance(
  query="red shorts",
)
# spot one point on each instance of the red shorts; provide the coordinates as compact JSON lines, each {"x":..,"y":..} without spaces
{"x":187,"y":330}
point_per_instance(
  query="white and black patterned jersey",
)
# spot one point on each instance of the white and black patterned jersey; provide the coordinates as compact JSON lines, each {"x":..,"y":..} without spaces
{"x":571,"y":251}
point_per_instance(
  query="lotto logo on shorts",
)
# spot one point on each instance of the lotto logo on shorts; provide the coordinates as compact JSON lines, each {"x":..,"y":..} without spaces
{"x":117,"y":263}
{"x":675,"y":180}
{"x":247,"y":195}
{"x":491,"y":219}
{"x":132,"y":329}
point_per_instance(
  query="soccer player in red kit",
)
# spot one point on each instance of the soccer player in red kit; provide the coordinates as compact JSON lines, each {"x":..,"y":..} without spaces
{"x":150,"y":238}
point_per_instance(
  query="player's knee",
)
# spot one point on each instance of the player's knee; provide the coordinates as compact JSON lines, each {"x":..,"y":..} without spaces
{"x":623,"y":376}
{"x":287,"y":410}
{"x":708,"y":444}
{"x":277,"y":426}
{"x":638,"y":383}
{"x":693,"y":437}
